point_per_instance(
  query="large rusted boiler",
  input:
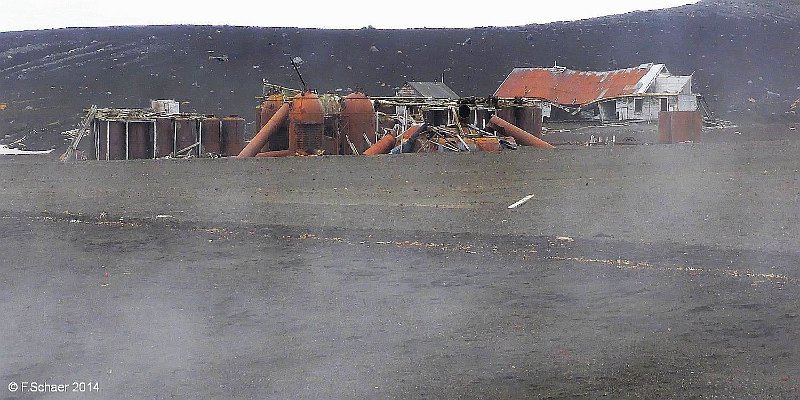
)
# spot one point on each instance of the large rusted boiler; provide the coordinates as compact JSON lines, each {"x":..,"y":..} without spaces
{"x":357,"y":119}
{"x":306,"y":123}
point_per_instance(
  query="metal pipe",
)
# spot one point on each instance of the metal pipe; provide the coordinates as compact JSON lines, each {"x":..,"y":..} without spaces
{"x":382,"y":146}
{"x":522,"y":137}
{"x":260,"y":139}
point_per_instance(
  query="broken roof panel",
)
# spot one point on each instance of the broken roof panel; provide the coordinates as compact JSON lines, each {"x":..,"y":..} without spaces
{"x":435,"y":90}
{"x":575,"y":88}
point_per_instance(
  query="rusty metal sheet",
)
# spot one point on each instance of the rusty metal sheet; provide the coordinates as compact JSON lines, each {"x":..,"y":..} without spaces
{"x":570,"y":87}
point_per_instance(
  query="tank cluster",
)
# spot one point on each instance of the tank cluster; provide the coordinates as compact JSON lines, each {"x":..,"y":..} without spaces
{"x":305,"y":125}
{"x":130,"y":134}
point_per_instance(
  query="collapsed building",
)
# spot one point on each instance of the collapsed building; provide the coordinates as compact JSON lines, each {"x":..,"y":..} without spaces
{"x":638,"y":93}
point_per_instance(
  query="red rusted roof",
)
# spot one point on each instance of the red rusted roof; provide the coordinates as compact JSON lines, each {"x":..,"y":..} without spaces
{"x":569,"y":87}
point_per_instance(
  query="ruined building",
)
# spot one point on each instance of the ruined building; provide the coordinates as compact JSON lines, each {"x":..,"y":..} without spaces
{"x":638,"y":93}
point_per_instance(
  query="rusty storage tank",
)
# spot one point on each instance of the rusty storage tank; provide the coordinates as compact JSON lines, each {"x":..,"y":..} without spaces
{"x":508,"y":114}
{"x":164,"y":137}
{"x":538,"y":121}
{"x":280,"y":139}
{"x":116,"y":143}
{"x":232,"y":135}
{"x":186,"y":135}
{"x":306,"y":123}
{"x":685,"y":126}
{"x":357,"y":118}
{"x":210,"y":137}
{"x":140,"y":140}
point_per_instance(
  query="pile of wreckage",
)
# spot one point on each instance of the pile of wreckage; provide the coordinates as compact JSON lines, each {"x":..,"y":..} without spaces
{"x":294,"y":122}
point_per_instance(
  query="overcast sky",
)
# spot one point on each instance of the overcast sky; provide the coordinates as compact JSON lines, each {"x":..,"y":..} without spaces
{"x":41,"y":14}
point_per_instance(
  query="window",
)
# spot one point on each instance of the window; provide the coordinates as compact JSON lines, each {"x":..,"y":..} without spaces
{"x":637,"y":105}
{"x":664,"y":104}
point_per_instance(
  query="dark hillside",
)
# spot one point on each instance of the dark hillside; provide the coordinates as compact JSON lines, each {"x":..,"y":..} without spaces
{"x":744,"y":58}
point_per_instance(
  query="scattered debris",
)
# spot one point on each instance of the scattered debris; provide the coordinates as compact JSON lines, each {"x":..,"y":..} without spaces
{"x":521,"y":201}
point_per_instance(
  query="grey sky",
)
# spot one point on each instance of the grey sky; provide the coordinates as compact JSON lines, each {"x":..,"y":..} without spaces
{"x":42,"y":14}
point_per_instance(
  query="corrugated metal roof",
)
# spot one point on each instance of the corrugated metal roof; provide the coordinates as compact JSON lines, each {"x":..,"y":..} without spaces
{"x":436,"y":90}
{"x":671,"y":84}
{"x":569,"y":87}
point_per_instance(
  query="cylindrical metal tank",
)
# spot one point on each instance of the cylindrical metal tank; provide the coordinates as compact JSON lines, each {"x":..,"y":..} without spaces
{"x":210,"y":135}
{"x":357,"y":118}
{"x":306,"y":123}
{"x":164,"y":137}
{"x":685,"y":126}
{"x":538,"y":121}
{"x":232,"y":135}
{"x":507,"y":114}
{"x":140,"y":140}
{"x":279,"y":140}
{"x":116,"y":140}
{"x":186,"y":135}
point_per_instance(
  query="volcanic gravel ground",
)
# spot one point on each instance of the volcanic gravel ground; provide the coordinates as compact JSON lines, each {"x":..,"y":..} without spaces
{"x":634,"y":272}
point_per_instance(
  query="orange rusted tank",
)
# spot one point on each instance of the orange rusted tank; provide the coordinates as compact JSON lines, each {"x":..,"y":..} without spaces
{"x":522,"y":137}
{"x":306,"y":123}
{"x":357,"y":119}
{"x":279,"y":140}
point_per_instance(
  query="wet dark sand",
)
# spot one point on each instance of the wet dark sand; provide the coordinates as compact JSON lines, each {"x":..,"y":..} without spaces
{"x":634,"y":272}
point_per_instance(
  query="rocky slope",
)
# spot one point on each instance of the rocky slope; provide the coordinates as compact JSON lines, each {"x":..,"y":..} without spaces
{"x":744,"y":58}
